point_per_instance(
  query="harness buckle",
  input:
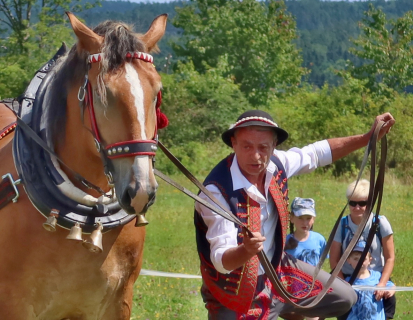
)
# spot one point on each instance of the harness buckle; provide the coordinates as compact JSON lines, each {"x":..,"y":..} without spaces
{"x":81,"y":94}
{"x":109,"y":177}
{"x":14,"y":183}
{"x":82,"y":90}
{"x":98,"y":145}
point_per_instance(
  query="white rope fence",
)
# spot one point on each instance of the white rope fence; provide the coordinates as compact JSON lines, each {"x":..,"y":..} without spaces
{"x":374,"y":288}
{"x":145,"y":272}
{"x":153,"y":273}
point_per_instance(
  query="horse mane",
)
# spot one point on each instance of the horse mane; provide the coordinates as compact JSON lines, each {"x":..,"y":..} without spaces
{"x":70,"y":70}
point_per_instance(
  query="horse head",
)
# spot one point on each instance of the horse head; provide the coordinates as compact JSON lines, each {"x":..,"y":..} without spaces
{"x":114,"y":74}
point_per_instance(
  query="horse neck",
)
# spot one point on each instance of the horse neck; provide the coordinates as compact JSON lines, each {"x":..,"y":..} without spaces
{"x":78,"y":150}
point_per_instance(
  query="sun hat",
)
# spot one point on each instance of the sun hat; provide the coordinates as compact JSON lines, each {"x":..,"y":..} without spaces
{"x":254,"y":118}
{"x":359,"y":247}
{"x":303,"y":206}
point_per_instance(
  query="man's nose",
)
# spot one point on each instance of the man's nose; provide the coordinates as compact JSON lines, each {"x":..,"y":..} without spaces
{"x":256,"y":155}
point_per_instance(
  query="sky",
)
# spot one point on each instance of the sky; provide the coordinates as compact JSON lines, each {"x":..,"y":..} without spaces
{"x":163,"y":1}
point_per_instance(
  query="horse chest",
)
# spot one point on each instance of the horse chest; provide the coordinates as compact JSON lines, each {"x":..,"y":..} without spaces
{"x":45,"y":276}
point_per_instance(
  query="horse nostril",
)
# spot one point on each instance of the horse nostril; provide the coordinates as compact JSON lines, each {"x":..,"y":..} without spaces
{"x":152,"y":197}
{"x":127,"y":196}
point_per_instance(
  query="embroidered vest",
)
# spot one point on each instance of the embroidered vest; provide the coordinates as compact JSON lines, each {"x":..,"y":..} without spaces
{"x":236,"y":289}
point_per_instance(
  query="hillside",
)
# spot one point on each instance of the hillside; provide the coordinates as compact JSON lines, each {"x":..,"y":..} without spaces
{"x":324,"y":27}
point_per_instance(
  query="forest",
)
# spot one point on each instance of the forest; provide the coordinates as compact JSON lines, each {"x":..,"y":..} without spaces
{"x":324,"y":28}
{"x":323,"y":69}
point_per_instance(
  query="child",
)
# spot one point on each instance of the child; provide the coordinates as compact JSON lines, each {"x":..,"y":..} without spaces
{"x":366,"y":307}
{"x":304,"y":244}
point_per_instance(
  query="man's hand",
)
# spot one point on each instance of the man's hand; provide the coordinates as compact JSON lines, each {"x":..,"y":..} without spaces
{"x":388,"y":120}
{"x":254,"y":244}
{"x":234,"y":258}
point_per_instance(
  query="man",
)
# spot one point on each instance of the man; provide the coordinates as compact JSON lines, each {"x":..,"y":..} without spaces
{"x":252,"y":184}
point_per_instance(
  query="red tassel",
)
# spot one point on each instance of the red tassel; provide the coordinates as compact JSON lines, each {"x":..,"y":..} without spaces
{"x":162,"y":120}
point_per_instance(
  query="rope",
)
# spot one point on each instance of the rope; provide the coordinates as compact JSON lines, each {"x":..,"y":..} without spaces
{"x":145,"y":272}
{"x":154,"y":273}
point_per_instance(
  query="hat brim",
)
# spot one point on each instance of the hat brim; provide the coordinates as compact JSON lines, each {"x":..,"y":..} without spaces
{"x":282,"y":135}
{"x":304,"y":212}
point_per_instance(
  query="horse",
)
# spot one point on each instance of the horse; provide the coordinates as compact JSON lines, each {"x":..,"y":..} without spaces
{"x":96,"y":109}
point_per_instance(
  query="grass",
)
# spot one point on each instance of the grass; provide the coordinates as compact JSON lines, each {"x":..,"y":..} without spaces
{"x":170,"y":244}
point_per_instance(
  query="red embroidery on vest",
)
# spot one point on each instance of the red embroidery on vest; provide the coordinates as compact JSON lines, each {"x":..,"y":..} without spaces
{"x":282,"y":207}
{"x":297,"y":282}
{"x":239,"y":293}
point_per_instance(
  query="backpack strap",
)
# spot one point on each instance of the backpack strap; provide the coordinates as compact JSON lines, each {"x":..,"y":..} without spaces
{"x":345,"y":228}
{"x":378,"y":233}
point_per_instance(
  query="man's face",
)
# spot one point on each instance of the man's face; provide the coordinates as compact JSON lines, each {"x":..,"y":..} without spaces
{"x":253,"y":148}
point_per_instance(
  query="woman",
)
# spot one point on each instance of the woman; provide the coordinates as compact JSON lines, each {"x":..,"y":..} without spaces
{"x":382,"y":246}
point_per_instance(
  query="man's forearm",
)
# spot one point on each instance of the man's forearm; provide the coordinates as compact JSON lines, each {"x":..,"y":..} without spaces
{"x":235,"y":257}
{"x":340,"y":147}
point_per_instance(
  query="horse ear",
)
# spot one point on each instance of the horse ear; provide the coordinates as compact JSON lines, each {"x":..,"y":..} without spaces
{"x":155,"y":32}
{"x":88,"y":40}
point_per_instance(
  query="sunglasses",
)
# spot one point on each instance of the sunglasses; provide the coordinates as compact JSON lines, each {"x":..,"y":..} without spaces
{"x":355,"y":203}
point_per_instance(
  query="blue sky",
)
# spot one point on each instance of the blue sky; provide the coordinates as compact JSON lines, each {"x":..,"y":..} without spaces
{"x":162,"y":1}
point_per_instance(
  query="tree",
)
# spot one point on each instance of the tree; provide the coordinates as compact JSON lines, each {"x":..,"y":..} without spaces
{"x":199,"y":106}
{"x":386,"y":49}
{"x":32,"y":32}
{"x":255,"y":37}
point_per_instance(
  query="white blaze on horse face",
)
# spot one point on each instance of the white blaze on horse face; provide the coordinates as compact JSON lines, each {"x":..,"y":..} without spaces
{"x":132,"y":77}
{"x":141,"y":167}
{"x":141,"y":171}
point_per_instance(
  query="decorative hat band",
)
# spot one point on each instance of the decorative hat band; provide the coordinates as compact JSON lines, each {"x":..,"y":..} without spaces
{"x":247,"y":119}
{"x":130,"y":55}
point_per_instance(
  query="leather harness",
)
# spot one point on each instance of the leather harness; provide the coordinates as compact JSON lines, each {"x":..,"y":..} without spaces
{"x":38,"y":173}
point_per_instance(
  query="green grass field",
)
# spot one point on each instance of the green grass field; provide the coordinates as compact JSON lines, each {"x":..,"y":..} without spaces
{"x":170,"y":245}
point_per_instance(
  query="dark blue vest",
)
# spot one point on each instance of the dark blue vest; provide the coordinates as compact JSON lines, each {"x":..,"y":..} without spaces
{"x":236,"y":289}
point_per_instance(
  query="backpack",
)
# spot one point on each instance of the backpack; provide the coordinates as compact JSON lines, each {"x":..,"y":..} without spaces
{"x":345,"y":228}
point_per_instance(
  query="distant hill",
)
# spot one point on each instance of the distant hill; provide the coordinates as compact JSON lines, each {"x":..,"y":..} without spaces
{"x":324,"y":27}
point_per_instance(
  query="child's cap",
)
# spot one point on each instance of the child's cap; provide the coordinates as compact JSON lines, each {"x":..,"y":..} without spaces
{"x":359,"y":247}
{"x":303,"y":206}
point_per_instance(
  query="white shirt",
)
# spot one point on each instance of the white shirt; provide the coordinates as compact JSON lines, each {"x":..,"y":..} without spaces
{"x":222,"y":233}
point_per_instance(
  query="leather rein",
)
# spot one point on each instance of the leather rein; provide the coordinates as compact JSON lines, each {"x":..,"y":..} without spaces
{"x":375,"y":194}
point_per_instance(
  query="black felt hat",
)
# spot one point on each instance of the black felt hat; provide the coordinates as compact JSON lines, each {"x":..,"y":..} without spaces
{"x":254,"y":118}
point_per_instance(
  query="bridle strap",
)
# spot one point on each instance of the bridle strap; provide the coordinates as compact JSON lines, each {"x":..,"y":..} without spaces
{"x":32,"y":134}
{"x":119,"y":149}
{"x":269,"y":269}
